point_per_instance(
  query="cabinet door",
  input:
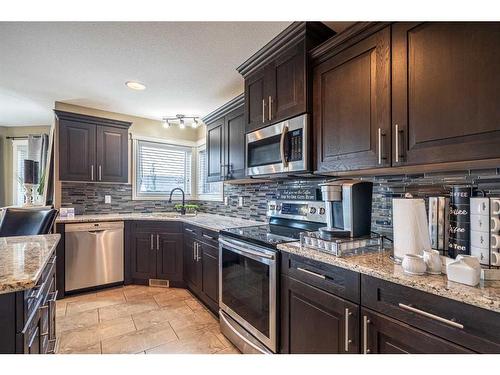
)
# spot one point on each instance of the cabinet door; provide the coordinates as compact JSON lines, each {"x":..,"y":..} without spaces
{"x":288,"y":90}
{"x":256,"y":98}
{"x":77,"y":147}
{"x":445,"y":85}
{"x":352,"y":113}
{"x":215,"y":150}
{"x":143,"y":256}
{"x":234,"y":141}
{"x":112,"y":154}
{"x":191,"y":264}
{"x":314,"y":321}
{"x":210,"y":271}
{"x":169,"y":248}
{"x":383,"y":335}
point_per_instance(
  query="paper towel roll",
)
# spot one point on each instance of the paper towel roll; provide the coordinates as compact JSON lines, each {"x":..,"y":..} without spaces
{"x":411,"y":231}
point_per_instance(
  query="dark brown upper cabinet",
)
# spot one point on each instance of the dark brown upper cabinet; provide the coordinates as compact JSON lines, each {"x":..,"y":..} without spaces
{"x":225,"y":143}
{"x":352,"y":109}
{"x":276,"y":77}
{"x":92,"y":149}
{"x":445,"y":87}
{"x":430,"y":87}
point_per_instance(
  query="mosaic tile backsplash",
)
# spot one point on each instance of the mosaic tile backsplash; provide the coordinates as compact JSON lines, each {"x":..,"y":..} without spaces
{"x":88,"y":198}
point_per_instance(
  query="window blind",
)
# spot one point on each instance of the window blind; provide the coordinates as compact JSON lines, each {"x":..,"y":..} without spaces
{"x":204,"y":187}
{"x":162,"y":167}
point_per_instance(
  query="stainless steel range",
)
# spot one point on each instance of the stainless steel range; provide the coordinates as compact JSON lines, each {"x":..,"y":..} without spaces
{"x":248,"y":273}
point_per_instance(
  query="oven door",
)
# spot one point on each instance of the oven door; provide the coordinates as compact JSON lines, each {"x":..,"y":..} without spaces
{"x":247,"y":288}
{"x":278,"y":148}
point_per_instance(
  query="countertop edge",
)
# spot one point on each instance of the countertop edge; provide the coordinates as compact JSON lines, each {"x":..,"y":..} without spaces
{"x":25,"y":284}
{"x":446,"y":293}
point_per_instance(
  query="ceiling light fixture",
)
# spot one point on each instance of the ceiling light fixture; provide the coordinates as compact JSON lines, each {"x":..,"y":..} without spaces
{"x":134,"y":85}
{"x":181,"y":121}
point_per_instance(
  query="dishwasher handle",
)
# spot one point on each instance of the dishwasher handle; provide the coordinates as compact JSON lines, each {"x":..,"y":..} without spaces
{"x":93,"y":227}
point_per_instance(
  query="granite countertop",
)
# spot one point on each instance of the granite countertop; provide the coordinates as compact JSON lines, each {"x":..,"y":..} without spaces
{"x":208,"y":221}
{"x":485,"y":295}
{"x":22,"y":260}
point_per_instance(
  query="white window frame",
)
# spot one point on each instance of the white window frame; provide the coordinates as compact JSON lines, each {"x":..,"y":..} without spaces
{"x":15,"y":144}
{"x":206,"y":197}
{"x":195,"y":146}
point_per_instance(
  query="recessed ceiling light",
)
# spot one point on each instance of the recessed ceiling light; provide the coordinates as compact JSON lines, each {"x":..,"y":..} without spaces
{"x":135,"y":85}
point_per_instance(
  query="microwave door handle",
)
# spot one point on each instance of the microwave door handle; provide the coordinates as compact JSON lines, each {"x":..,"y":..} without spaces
{"x":284,"y":158}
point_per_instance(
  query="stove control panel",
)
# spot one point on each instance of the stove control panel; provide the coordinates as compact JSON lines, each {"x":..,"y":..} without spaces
{"x":297,"y":210}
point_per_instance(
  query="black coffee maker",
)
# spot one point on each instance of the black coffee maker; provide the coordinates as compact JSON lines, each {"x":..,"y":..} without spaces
{"x":348,"y":205}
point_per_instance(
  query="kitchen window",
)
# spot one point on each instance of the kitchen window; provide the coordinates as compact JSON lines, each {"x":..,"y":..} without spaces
{"x":19,"y":153}
{"x":161,"y":167}
{"x":206,"y":190}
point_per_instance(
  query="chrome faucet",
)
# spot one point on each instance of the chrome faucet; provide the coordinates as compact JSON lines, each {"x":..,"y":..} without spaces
{"x":183,"y":209}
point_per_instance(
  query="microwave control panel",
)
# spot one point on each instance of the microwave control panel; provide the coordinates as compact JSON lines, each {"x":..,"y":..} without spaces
{"x":295,"y":140}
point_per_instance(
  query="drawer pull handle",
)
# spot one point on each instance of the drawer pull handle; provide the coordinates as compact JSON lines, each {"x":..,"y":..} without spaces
{"x":189,"y":230}
{"x":431,"y":316}
{"x":209,"y":237}
{"x":366,"y":321}
{"x":312,"y":273}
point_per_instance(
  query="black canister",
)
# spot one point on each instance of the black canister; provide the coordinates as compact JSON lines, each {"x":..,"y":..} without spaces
{"x":459,"y":239}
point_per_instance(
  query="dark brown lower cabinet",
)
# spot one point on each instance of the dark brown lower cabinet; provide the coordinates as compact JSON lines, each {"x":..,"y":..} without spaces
{"x":314,"y":321}
{"x":384,"y":335}
{"x":28,"y":318}
{"x":156,"y":252}
{"x":201,"y":265}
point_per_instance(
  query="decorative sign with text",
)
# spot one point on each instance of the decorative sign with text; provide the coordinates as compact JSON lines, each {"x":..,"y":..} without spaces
{"x":298,"y":194}
{"x":459,"y":242}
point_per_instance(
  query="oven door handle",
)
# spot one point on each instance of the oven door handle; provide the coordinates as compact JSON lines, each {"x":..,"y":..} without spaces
{"x":243,"y":251}
{"x":284,"y":159}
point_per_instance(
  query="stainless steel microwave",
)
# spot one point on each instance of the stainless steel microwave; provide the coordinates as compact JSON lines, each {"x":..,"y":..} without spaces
{"x":279,"y":148}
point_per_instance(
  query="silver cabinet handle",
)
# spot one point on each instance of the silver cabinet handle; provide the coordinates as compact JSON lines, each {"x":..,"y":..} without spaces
{"x":189,"y":230}
{"x":396,"y":128}
{"x":366,"y":321}
{"x":431,"y":316}
{"x":197,"y":252}
{"x":100,"y":173}
{"x":263,"y":110}
{"x":157,"y":242}
{"x":270,"y":109}
{"x":92,"y":172}
{"x":194,"y":251}
{"x":209,"y":237}
{"x":312,"y":273}
{"x":379,"y":145}
{"x":152,"y":240}
{"x":347,"y":341}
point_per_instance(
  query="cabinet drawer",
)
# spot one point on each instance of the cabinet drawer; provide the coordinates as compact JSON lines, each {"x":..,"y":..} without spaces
{"x":472,"y":327}
{"x":159,"y":226}
{"x":209,"y":237}
{"x":335,"y":280}
{"x":383,"y":335}
{"x":191,"y":230}
{"x":36,"y":296}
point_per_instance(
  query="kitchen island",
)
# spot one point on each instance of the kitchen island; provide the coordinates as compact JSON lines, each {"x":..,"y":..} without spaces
{"x":27,"y":294}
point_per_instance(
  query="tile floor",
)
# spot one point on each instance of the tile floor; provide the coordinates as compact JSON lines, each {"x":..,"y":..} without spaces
{"x":138,"y":319}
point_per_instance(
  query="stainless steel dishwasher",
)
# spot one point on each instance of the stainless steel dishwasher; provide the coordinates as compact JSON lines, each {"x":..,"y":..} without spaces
{"x":93,"y":254}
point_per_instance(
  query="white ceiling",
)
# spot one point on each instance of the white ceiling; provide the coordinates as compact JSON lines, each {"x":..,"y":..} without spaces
{"x":188,"y":67}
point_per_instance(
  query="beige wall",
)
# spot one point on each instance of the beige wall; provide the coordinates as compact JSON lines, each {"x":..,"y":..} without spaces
{"x":140,"y":126}
{"x":6,"y":172}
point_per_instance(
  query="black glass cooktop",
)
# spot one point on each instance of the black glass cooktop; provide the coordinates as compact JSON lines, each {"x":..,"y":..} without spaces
{"x":270,"y":234}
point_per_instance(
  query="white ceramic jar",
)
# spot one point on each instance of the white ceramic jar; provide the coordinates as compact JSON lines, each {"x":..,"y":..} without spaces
{"x":414,"y":264}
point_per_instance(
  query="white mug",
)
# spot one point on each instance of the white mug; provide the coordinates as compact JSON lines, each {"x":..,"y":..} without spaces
{"x":495,"y":241}
{"x":495,"y":258}
{"x":432,"y":260}
{"x":495,"y":224}
{"x":495,"y":206}
{"x":413,"y":264}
